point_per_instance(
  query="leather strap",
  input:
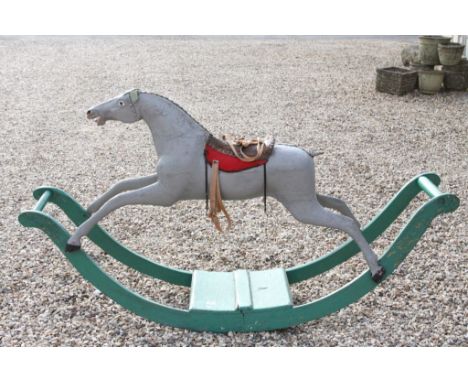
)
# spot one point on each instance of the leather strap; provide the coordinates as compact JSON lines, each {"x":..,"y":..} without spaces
{"x":206,"y":183}
{"x":264,"y":187}
{"x":216,"y":201}
{"x":246,"y":143}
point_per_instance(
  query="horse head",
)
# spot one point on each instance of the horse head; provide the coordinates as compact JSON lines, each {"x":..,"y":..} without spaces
{"x":121,"y":108}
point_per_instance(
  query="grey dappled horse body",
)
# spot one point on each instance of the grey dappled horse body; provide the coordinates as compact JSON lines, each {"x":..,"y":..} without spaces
{"x":180,"y":140}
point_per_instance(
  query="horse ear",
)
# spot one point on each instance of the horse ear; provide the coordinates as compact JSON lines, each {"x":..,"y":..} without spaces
{"x":134,"y":95}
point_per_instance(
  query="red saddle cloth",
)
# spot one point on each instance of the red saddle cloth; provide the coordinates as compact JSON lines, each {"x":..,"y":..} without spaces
{"x":229,"y":163}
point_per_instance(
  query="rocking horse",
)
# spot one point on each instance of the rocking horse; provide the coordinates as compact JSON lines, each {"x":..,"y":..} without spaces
{"x":193,"y":164}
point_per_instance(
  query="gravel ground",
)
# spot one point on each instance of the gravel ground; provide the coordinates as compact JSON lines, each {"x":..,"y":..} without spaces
{"x":318,"y":93}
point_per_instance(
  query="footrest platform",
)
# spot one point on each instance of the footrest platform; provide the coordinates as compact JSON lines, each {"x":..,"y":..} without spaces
{"x":240,"y":290}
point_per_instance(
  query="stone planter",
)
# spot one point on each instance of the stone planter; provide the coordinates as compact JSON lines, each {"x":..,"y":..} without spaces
{"x":420,"y":67}
{"x":450,"y":54}
{"x":454,"y":80}
{"x":430,"y":81}
{"x":456,"y":76}
{"x":428,"y":49}
{"x":464,"y":64}
{"x":410,"y":55}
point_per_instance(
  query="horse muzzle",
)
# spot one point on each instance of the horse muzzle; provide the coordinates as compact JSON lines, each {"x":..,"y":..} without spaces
{"x":91,"y":114}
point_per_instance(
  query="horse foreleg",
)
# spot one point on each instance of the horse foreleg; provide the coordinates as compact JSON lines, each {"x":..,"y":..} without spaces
{"x":154,"y":194}
{"x":336,"y":204}
{"x":121,"y":186}
{"x":311,"y":212}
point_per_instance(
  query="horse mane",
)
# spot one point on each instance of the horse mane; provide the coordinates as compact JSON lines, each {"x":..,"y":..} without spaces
{"x":180,"y":107}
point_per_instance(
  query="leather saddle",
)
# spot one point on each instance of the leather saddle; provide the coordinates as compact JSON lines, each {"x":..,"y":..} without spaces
{"x":232,"y":155}
{"x":238,"y":154}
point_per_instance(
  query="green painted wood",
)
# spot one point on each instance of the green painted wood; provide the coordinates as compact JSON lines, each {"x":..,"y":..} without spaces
{"x":102,"y":281}
{"x":270,"y":289}
{"x":213,"y":291}
{"x":394,"y":255}
{"x":41,"y":203}
{"x":99,"y":236}
{"x":371,"y":231}
{"x":243,"y":293}
{"x":268,"y":316}
{"x":428,"y":187}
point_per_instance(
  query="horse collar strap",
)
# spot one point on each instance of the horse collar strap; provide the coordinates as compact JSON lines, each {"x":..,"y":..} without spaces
{"x":134,"y":95}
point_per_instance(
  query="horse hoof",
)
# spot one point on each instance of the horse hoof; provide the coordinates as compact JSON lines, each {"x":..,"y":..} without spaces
{"x":72,"y":248}
{"x":377,"y":277}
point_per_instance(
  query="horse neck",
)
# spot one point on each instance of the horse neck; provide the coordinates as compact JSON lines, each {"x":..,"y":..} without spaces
{"x":172,"y":128}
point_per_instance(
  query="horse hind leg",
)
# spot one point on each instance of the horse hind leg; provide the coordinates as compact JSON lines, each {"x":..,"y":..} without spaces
{"x":312,"y":212}
{"x":337,"y":205}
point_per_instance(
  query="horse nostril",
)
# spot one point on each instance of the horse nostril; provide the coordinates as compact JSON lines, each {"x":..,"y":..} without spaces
{"x":88,"y":112}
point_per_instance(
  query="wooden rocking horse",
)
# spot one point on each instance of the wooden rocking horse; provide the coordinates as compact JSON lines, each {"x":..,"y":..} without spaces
{"x":241,"y":300}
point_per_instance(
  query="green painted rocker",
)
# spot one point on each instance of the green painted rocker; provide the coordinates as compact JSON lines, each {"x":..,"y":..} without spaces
{"x":241,"y":300}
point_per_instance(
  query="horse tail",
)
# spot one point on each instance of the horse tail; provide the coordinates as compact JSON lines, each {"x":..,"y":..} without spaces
{"x":313,"y":154}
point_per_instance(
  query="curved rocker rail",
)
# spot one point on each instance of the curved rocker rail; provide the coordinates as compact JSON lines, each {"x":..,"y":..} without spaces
{"x":371,"y":231}
{"x":247,"y":319}
{"x":99,"y":236}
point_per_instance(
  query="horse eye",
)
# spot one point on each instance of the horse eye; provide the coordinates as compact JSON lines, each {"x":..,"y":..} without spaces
{"x":121,"y":103}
